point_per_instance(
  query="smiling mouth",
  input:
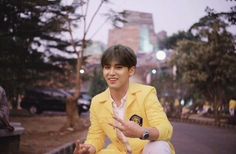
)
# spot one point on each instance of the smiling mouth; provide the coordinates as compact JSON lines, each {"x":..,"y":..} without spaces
{"x":112,"y":80}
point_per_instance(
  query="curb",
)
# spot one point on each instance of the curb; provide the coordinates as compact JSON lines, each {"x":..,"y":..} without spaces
{"x":64,"y":149}
{"x":200,"y":122}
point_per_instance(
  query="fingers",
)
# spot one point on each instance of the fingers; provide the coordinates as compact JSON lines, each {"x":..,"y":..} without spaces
{"x":77,"y":144}
{"x":119,"y":120}
{"x":120,"y":127}
{"x":84,"y":148}
{"x":81,"y":148}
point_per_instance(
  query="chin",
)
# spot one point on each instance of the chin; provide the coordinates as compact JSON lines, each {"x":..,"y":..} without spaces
{"x":113,"y":87}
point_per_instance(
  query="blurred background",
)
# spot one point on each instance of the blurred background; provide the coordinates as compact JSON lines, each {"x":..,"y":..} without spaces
{"x":50,"y":51}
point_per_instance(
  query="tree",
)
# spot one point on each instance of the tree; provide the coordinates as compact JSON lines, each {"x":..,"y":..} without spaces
{"x":86,"y":24}
{"x":32,"y":41}
{"x":74,"y":20}
{"x":230,"y":16}
{"x":171,"y":42}
{"x":208,"y":65}
{"x":23,"y":28}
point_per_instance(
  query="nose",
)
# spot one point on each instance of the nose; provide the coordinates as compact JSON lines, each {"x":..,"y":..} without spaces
{"x":112,"y":71}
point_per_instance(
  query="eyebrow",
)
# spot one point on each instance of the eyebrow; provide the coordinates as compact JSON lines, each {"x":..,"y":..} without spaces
{"x":115,"y":64}
{"x":119,"y":64}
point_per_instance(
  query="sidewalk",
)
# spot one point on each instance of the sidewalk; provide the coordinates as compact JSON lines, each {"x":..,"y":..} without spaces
{"x":198,"y":117}
{"x":202,"y":120}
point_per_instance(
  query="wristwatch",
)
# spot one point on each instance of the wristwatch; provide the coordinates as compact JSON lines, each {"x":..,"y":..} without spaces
{"x":145,"y":135}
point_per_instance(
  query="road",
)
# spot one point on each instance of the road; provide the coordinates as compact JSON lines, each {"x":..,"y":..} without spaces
{"x":200,"y":139}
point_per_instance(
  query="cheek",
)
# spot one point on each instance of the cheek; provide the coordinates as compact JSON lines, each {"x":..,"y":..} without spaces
{"x":126,"y":77}
{"x":104,"y":72}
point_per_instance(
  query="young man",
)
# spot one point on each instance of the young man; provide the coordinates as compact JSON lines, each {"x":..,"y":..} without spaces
{"x":129,"y":114}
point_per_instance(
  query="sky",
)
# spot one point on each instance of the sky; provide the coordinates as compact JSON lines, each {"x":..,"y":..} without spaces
{"x":169,"y":15}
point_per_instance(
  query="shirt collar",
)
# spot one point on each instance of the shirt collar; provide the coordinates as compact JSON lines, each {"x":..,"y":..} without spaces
{"x":123,"y":100}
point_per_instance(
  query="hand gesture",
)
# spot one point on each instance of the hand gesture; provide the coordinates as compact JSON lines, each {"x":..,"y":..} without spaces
{"x":83,"y":148}
{"x":129,"y":128}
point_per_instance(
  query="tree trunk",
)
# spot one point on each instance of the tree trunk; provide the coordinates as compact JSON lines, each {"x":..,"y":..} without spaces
{"x":72,"y":112}
{"x":216,"y":109}
{"x":71,"y":105}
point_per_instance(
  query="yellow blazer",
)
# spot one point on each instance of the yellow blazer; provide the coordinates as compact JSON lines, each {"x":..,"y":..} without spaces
{"x":142,"y":104}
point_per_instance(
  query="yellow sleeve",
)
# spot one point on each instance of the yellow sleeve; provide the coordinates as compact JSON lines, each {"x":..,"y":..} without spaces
{"x":96,"y":135}
{"x":157,"y":117}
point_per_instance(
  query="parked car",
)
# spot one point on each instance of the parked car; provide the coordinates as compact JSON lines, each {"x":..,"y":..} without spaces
{"x":84,"y":102}
{"x":39,"y":100}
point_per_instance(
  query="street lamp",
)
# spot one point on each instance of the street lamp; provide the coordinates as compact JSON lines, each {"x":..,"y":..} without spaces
{"x":154,"y":71}
{"x":82,"y":71}
{"x":160,"y":55}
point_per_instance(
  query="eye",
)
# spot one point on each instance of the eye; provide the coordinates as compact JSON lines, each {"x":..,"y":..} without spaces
{"x":119,"y":67}
{"x":107,"y":67}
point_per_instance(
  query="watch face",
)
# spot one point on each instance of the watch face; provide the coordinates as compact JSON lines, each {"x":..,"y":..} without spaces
{"x":145,"y":135}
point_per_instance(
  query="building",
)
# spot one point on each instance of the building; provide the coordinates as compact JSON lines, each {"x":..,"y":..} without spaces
{"x":138,"y":33}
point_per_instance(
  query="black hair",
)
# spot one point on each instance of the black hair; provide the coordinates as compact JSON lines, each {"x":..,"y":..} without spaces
{"x":124,"y":55}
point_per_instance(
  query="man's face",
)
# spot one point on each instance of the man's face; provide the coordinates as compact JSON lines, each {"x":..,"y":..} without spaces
{"x":117,"y":76}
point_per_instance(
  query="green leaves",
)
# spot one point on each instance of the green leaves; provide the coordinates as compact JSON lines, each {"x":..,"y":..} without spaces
{"x":208,"y":63}
{"x":27,"y":34}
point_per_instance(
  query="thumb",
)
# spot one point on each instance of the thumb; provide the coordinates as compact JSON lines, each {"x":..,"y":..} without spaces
{"x":77,"y":143}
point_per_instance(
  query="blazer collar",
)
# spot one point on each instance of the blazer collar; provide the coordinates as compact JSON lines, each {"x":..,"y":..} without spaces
{"x":133,"y":89}
{"x":105,"y":97}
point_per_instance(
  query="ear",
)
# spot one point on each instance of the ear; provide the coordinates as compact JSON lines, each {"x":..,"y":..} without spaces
{"x":131,"y":71}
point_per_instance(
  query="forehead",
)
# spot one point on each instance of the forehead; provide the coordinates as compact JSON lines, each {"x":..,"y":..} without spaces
{"x":113,"y":62}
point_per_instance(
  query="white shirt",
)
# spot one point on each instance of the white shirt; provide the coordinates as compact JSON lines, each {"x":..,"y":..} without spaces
{"x":119,"y":111}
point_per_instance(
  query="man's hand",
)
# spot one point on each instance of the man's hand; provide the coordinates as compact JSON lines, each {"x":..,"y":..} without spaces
{"x":84,"y":148}
{"x":129,"y":128}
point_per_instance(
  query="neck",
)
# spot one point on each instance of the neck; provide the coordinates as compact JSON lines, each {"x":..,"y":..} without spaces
{"x":117,"y":95}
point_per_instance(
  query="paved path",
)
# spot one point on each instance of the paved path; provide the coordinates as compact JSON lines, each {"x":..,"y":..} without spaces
{"x":200,"y":139}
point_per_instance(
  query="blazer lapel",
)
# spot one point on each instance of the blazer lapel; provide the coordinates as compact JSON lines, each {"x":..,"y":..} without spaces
{"x":108,"y":106}
{"x":131,"y":98}
{"x":107,"y":102}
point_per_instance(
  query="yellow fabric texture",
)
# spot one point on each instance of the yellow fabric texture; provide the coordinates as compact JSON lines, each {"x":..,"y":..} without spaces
{"x":141,"y":101}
